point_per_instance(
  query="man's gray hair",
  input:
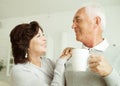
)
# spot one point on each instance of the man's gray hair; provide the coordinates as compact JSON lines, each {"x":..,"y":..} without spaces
{"x":96,"y":10}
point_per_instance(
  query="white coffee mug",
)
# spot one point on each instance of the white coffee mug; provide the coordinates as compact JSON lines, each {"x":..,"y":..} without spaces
{"x":79,"y":59}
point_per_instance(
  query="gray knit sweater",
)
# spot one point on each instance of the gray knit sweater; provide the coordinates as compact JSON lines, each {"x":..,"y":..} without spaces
{"x":88,"y":78}
{"x":48,"y":74}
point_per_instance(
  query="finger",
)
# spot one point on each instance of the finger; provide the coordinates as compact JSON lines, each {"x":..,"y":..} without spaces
{"x":94,"y":64}
{"x":93,"y":59}
{"x":67,"y":56}
{"x":94,"y":69}
{"x":64,"y":51}
{"x":68,"y":50}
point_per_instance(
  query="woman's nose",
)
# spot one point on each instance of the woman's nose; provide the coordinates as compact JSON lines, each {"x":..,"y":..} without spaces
{"x":44,"y":38}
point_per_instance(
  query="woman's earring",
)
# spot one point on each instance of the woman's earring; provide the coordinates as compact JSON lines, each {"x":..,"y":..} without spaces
{"x":26,"y":55}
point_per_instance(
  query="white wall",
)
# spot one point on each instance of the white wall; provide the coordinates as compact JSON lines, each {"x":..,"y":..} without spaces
{"x":57,"y":26}
{"x":113,"y":24}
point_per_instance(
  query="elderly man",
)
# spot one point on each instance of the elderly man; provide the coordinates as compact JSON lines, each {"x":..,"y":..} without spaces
{"x":103,"y":70}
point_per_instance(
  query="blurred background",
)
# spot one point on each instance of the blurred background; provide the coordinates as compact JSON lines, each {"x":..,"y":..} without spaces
{"x":55,"y":17}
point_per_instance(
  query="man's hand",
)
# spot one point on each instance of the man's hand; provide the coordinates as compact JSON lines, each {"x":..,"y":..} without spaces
{"x":99,"y":65}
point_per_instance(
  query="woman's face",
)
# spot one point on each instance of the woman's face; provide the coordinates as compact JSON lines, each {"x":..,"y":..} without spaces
{"x":37,"y":44}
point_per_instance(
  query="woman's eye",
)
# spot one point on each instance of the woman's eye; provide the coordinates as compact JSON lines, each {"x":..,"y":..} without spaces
{"x":39,"y":36}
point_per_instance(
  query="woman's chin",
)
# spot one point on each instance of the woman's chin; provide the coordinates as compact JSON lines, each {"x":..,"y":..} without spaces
{"x":44,"y":53}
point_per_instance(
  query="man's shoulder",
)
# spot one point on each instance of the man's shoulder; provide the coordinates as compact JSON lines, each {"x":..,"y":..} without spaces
{"x":113,"y":48}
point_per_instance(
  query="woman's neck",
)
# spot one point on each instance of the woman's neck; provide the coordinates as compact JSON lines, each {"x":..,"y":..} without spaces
{"x":35,"y":60}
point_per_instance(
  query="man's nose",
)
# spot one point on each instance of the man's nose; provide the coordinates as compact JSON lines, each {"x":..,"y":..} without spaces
{"x":74,"y":26}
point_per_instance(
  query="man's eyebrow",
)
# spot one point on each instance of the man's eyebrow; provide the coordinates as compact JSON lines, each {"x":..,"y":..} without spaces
{"x":76,"y":17}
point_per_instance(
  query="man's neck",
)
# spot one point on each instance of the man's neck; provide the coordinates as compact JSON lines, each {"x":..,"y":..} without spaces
{"x":94,"y":43}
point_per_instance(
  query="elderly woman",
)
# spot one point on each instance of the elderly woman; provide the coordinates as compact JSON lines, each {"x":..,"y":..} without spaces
{"x":31,"y":69}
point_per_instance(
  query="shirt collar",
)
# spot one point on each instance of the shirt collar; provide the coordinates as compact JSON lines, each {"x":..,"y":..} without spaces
{"x":101,"y":46}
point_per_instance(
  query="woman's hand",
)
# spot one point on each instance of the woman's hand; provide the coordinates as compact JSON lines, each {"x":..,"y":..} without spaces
{"x":66,"y":53}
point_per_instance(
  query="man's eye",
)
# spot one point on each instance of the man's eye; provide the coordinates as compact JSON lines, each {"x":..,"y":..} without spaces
{"x":78,"y":20}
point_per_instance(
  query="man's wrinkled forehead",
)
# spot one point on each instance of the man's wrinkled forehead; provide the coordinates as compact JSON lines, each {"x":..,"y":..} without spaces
{"x":76,"y":17}
{"x":78,"y":13}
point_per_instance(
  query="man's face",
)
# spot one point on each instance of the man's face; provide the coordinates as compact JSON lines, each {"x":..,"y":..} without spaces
{"x":83,"y":26}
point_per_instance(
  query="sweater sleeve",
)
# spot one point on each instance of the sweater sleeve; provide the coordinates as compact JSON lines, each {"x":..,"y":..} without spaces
{"x":113,"y":79}
{"x":58,"y":79}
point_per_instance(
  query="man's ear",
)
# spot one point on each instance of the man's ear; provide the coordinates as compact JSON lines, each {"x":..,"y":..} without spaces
{"x":98,"y":20}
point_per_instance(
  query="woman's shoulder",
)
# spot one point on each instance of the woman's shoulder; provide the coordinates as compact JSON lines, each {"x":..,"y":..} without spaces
{"x":22,"y":70}
{"x":20,"y":67}
{"x":48,"y":61}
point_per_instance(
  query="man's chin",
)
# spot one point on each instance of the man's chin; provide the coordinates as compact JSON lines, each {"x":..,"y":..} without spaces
{"x":77,"y":38}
